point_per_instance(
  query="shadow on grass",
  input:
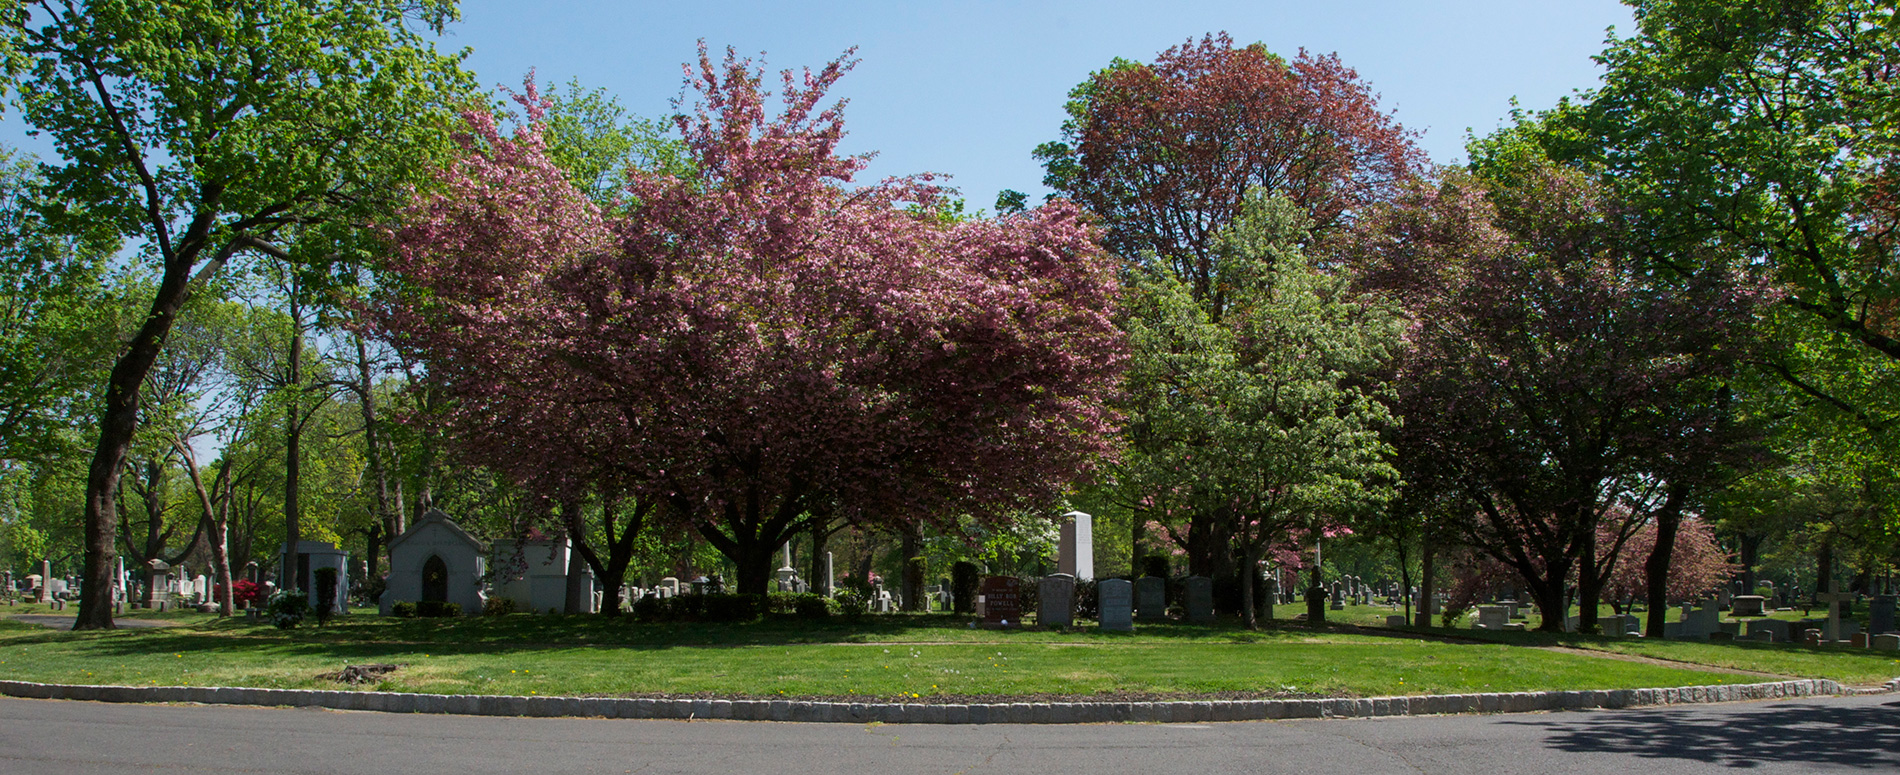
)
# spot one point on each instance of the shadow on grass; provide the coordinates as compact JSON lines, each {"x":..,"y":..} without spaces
{"x":1859,"y":737}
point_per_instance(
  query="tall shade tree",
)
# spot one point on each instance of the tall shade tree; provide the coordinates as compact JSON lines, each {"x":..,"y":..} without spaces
{"x":59,"y":308}
{"x":1764,"y":130}
{"x":761,"y":341}
{"x":201,"y":129}
{"x":1556,"y":374}
{"x":1259,"y":422}
{"x":1165,"y":153}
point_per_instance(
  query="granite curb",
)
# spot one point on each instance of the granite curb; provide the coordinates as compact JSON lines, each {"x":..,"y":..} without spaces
{"x":921,"y":713}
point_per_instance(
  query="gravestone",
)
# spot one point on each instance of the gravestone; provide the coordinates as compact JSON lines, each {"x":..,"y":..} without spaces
{"x":1269,"y":589}
{"x":1338,"y":596}
{"x":1880,"y":618}
{"x":1834,"y":597}
{"x":1887,"y":641}
{"x":1151,"y":599}
{"x":435,"y":561}
{"x":1115,"y":604}
{"x":1697,"y":624}
{"x":831,"y":579}
{"x":1002,"y":601}
{"x":669,"y":587}
{"x":157,"y":585}
{"x":1748,"y":605}
{"x":45,"y":592}
{"x":1200,"y":600}
{"x":1055,"y":600}
{"x":787,"y":575}
{"x":1075,"y":550}
{"x":1492,"y":617}
{"x":1858,"y":640}
{"x":1775,"y":629}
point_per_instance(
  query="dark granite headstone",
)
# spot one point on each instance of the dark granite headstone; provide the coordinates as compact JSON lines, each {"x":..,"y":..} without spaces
{"x":1055,"y":600}
{"x":1002,"y":601}
{"x":1880,"y":618}
{"x":1151,"y":599}
{"x":1115,"y":603}
{"x":1200,"y":600}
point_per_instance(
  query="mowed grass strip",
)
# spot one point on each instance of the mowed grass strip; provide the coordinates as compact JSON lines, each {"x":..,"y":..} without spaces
{"x":1014,"y":663}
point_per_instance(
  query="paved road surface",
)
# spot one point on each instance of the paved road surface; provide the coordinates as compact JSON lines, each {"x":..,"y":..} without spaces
{"x":1811,"y":735}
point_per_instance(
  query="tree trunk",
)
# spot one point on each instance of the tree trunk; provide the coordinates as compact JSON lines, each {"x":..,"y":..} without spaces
{"x":820,"y":536}
{"x":913,"y":568}
{"x":1426,"y":571}
{"x":1405,"y":579}
{"x":574,"y":600}
{"x":1656,"y":568}
{"x":373,"y":548}
{"x":1750,"y":546}
{"x":1550,"y":598}
{"x":1316,"y":594}
{"x":1247,"y":584}
{"x":1823,"y":568}
{"x":293,"y":454}
{"x":752,"y":563}
{"x":1589,"y":587}
{"x":373,"y":450}
{"x":119,"y":423}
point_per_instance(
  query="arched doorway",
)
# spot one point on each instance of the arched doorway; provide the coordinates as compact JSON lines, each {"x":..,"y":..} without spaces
{"x":435,"y":580}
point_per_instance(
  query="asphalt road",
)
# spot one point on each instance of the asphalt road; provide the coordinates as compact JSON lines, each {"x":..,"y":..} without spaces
{"x":39,"y":737}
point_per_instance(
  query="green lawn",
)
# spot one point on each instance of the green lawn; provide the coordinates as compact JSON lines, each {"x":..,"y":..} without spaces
{"x":882,"y":657}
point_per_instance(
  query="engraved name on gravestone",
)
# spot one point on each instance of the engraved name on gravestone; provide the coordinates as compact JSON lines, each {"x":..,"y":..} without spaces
{"x":1115,"y":604}
{"x":1002,"y":600}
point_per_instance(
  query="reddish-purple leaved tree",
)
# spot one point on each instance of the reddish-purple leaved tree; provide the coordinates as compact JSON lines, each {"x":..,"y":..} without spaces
{"x":763,"y":338}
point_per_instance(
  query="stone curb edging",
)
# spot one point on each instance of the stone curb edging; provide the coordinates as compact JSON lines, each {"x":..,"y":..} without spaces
{"x":917,"y":713}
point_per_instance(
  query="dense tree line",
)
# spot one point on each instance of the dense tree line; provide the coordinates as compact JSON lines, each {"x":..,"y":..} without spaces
{"x":293,"y":277}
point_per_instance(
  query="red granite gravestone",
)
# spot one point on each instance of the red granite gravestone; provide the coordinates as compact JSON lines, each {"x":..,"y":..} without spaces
{"x":1002,"y":601}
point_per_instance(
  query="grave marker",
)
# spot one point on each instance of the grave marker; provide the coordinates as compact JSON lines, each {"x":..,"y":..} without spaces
{"x":1880,"y":618}
{"x":1003,"y":601}
{"x":1114,"y":604}
{"x":1834,"y":597}
{"x":1075,"y":552}
{"x":1055,"y":600}
{"x":1151,"y":599}
{"x":1200,"y":600}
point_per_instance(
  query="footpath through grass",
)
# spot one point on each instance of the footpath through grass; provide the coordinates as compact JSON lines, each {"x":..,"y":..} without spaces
{"x":919,"y":658}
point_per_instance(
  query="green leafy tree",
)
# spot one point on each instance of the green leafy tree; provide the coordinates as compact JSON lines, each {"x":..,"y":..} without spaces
{"x":201,"y":130}
{"x":1257,"y":418}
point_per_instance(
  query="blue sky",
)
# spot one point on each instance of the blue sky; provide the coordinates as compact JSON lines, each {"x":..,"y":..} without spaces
{"x":969,"y":88}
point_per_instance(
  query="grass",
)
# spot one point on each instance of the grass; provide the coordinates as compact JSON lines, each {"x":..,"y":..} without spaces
{"x":915,"y":657}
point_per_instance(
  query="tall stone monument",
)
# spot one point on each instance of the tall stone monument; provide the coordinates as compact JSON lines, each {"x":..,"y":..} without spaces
{"x":1075,"y":553}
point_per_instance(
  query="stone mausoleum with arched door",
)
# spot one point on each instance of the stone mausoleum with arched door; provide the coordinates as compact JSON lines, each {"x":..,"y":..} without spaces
{"x":435,"y":560}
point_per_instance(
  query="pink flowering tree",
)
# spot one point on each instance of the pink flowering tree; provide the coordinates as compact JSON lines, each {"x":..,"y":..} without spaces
{"x":764,"y":339}
{"x":1697,"y":565}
